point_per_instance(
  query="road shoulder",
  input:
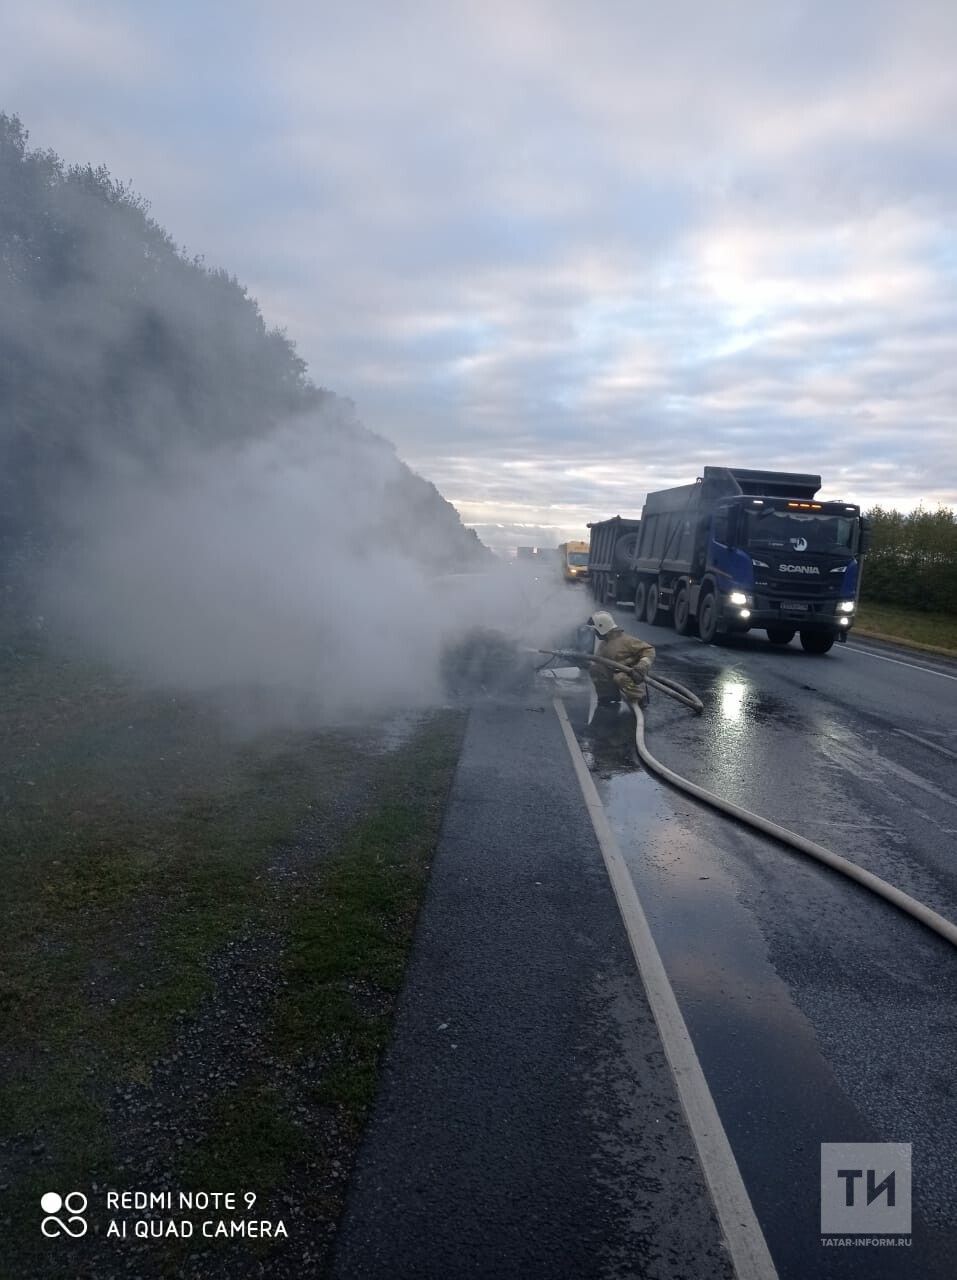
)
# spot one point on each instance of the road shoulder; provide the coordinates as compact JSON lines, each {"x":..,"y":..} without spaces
{"x":526,"y":1123}
{"x":898,"y":642}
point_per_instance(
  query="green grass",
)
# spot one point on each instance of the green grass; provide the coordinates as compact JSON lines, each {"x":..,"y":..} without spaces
{"x":935,"y":630}
{"x":250,"y":1140}
{"x":136,"y":839}
{"x":353,"y":932}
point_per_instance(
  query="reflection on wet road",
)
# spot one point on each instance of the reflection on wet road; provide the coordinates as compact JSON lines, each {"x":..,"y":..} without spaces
{"x":819,"y":1013}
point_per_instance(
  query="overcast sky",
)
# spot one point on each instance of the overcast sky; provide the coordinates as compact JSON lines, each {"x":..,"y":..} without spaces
{"x":559,"y":253}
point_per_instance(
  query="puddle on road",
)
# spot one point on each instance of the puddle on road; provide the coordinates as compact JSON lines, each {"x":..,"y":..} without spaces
{"x":760,"y":1052}
{"x":715,"y":954}
{"x":772,"y":963}
{"x":730,"y":697}
{"x":687,"y":889}
{"x":608,"y":743}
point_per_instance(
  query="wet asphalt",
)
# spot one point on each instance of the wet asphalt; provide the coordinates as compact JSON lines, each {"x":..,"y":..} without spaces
{"x":526,"y":1123}
{"x":820,"y":1014}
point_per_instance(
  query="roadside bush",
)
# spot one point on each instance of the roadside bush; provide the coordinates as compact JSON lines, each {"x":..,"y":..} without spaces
{"x":913,"y":559}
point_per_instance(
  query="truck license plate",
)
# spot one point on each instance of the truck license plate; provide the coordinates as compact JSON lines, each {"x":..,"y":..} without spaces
{"x":795,"y":606}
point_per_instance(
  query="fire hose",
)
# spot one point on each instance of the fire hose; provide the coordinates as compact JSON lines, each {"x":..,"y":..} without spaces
{"x":890,"y":893}
{"x":670,"y":687}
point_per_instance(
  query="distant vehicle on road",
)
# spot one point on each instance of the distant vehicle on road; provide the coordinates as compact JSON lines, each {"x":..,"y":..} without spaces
{"x":740,"y":549}
{"x":611,"y":559}
{"x":574,"y":559}
{"x":526,"y":553}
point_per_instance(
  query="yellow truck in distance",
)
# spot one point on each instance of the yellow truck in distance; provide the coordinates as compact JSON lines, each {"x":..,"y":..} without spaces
{"x":574,"y":560}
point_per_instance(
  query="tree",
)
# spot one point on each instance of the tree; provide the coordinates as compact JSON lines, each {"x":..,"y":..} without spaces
{"x":114,"y":344}
{"x":913,"y":559}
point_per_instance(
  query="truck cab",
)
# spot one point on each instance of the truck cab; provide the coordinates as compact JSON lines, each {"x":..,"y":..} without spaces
{"x":744,"y":549}
{"x":574,"y":559}
{"x":785,"y":565}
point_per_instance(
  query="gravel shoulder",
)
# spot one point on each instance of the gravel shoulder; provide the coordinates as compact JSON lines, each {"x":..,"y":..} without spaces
{"x":204,"y":936}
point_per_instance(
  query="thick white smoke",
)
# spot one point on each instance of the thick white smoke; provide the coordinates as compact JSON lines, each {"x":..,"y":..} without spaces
{"x":276,"y":566}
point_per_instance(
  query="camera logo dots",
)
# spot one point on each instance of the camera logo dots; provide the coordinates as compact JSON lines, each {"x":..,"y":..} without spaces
{"x":73,"y":1204}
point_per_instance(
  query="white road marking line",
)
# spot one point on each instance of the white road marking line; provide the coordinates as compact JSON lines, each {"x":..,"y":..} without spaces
{"x":934,"y":746}
{"x":742,"y":1232}
{"x":867,"y":763}
{"x":913,"y":665}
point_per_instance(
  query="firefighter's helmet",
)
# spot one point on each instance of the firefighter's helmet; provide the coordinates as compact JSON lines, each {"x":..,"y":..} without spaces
{"x":603,"y":623}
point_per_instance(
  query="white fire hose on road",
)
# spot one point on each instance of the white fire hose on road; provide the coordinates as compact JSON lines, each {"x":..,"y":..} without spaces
{"x":903,"y":901}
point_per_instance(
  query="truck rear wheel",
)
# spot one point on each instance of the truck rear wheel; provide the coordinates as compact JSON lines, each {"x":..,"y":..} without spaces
{"x":816,"y":641}
{"x":780,"y":635}
{"x":651,"y":607}
{"x":685,"y":625}
{"x":640,"y":593}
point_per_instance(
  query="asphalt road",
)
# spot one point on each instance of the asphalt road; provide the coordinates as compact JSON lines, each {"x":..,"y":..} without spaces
{"x":527,"y":1125}
{"x":820,"y":1013}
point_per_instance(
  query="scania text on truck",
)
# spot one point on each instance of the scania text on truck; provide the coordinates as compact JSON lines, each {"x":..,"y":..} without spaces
{"x":742,"y":549}
{"x":574,"y":560}
{"x":611,"y":559}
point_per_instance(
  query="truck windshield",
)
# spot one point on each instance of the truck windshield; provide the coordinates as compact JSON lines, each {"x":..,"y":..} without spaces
{"x":801,"y":531}
{"x":578,"y":559}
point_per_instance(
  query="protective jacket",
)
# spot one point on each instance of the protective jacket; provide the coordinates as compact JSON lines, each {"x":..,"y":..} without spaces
{"x":634,"y":653}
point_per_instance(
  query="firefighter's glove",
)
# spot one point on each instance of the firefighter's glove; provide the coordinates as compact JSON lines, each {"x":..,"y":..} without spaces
{"x":639,"y":698}
{"x":643,"y":667}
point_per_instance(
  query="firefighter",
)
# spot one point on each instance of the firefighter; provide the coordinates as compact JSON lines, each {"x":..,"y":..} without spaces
{"x":617,"y":645}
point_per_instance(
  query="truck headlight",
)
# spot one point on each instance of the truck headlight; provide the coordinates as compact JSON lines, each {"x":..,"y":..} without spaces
{"x":738,"y":597}
{"x":846,"y":606}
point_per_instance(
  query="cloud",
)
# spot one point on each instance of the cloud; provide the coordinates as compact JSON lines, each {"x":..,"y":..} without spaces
{"x":72,"y":45}
{"x":562,"y":256}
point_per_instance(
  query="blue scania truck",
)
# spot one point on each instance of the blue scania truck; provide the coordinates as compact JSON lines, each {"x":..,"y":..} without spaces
{"x":742,"y":549}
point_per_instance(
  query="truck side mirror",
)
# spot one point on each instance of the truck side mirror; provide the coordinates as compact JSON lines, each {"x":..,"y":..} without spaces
{"x":867,"y":535}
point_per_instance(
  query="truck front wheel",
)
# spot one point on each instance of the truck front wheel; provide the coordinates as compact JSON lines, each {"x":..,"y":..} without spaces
{"x":640,"y":595}
{"x":708,"y":617}
{"x":816,"y":641}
